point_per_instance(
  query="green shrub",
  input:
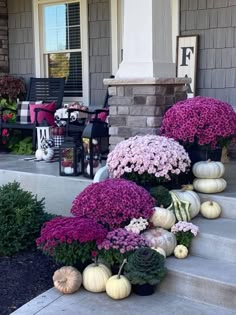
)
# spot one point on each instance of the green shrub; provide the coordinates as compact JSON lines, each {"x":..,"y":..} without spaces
{"x":21,"y":218}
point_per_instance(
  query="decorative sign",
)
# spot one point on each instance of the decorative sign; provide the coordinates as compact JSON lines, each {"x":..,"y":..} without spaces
{"x":186,"y":62}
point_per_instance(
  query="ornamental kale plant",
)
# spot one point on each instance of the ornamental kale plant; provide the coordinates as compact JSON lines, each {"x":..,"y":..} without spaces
{"x":148,"y":160}
{"x":70,"y":240}
{"x":200,"y":120}
{"x":119,"y":244}
{"x":113,"y":203}
{"x":145,"y":265}
{"x":184,"y":232}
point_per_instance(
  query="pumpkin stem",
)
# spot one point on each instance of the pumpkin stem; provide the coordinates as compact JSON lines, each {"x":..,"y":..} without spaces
{"x":211,"y":203}
{"x":121,"y":267}
{"x":95,"y":261}
{"x":209,"y":160}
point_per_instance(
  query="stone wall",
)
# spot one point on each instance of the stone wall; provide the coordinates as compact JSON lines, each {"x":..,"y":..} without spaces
{"x":215,"y":23}
{"x":3,"y":38}
{"x":99,"y":49}
{"x":137,"y":107}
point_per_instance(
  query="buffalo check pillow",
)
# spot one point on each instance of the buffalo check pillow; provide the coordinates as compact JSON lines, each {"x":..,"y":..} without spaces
{"x":23,"y":112}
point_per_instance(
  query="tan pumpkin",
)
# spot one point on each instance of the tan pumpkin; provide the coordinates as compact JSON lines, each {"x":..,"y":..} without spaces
{"x":118,"y":287}
{"x":192,"y":198}
{"x":208,"y":169}
{"x":210,"y":209}
{"x":163,"y":218}
{"x":67,"y":280}
{"x":209,"y":186}
{"x":159,"y":237}
{"x":95,"y":277}
{"x":160,"y":251}
{"x":181,"y":251}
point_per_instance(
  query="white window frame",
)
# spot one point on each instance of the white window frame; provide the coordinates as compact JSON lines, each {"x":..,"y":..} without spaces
{"x":40,"y":70}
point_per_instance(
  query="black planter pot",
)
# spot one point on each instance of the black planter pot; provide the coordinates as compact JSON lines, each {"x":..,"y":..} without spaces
{"x":197,"y":154}
{"x":143,"y":289}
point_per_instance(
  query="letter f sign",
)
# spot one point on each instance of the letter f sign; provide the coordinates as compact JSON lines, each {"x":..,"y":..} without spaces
{"x":186,"y":54}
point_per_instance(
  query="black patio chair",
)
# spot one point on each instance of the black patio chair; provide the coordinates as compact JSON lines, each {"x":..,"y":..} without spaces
{"x":45,"y":89}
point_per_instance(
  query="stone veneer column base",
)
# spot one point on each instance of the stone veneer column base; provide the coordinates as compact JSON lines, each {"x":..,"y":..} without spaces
{"x":138,"y":105}
{"x":3,"y":38}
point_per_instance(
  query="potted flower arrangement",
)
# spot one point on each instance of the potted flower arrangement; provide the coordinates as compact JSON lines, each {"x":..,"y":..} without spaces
{"x":149,"y":160}
{"x":184,"y":232}
{"x":201,"y":124}
{"x":70,"y":240}
{"x":118,"y":245}
{"x":113,"y":203}
{"x":145,"y":269}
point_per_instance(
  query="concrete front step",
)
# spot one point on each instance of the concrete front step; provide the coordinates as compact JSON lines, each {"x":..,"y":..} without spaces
{"x":86,"y":303}
{"x":216,"y":239}
{"x":201,"y":279}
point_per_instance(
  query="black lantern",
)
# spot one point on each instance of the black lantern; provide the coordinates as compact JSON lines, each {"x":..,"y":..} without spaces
{"x":96,"y":145}
{"x":70,"y":158}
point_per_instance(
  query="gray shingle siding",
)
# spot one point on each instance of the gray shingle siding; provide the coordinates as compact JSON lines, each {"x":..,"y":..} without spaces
{"x":215,"y":22}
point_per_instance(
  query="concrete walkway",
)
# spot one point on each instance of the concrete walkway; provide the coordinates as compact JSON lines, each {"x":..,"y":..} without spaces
{"x":86,"y":303}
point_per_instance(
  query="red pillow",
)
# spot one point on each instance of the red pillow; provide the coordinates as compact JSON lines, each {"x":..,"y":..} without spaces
{"x":43,"y":115}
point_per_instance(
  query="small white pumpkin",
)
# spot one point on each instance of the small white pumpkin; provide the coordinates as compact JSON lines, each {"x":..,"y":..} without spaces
{"x":208,"y":169}
{"x":68,"y":170}
{"x":67,"y":279}
{"x":209,"y":186}
{"x":39,"y":154}
{"x":192,"y":198}
{"x":95,"y":277}
{"x":181,"y":251}
{"x":159,"y":250}
{"x":118,"y":287}
{"x":163,"y":218}
{"x":159,"y":237}
{"x":48,"y":154}
{"x":210,"y":209}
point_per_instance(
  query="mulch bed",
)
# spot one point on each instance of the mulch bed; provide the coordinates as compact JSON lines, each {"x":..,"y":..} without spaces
{"x":23,"y":277}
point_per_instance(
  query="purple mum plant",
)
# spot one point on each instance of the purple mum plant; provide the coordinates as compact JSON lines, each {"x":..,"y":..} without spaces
{"x":148,"y":160}
{"x":200,"y":120}
{"x":113,"y":203}
{"x":119,"y":244}
{"x":70,"y":240}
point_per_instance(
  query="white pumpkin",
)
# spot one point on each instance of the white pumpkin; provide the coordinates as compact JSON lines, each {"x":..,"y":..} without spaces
{"x":181,"y":251}
{"x":68,"y":170}
{"x":208,"y":169}
{"x":159,"y":250}
{"x":39,"y":154}
{"x":48,"y":154}
{"x":159,"y":237}
{"x":163,"y":218}
{"x":95,"y":277}
{"x":209,"y":186}
{"x":210,"y":209}
{"x":118,"y":287}
{"x":67,"y":279}
{"x":192,"y":198}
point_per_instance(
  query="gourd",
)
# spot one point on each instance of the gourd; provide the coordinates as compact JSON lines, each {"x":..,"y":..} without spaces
{"x":208,"y":169}
{"x":180,"y":208}
{"x":162,"y":218}
{"x":48,"y":154}
{"x":95,"y":277}
{"x":118,"y":287}
{"x":210,"y":209}
{"x":181,"y":251}
{"x":209,"y":186}
{"x":159,"y":237}
{"x":67,"y":279}
{"x":160,"y":251}
{"x":192,"y":198}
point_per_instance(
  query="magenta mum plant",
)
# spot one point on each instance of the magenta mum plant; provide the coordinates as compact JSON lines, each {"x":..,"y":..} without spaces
{"x":200,"y":120}
{"x":70,"y":240}
{"x":113,"y":203}
{"x":119,"y":244}
{"x":148,"y":160}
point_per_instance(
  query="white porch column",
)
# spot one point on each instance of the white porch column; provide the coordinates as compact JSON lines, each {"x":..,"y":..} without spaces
{"x":147,"y":40}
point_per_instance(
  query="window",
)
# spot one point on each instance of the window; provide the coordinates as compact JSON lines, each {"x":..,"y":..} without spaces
{"x":62,"y":45}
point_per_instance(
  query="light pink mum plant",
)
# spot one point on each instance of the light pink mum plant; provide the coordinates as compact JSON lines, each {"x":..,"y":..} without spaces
{"x":148,"y":160}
